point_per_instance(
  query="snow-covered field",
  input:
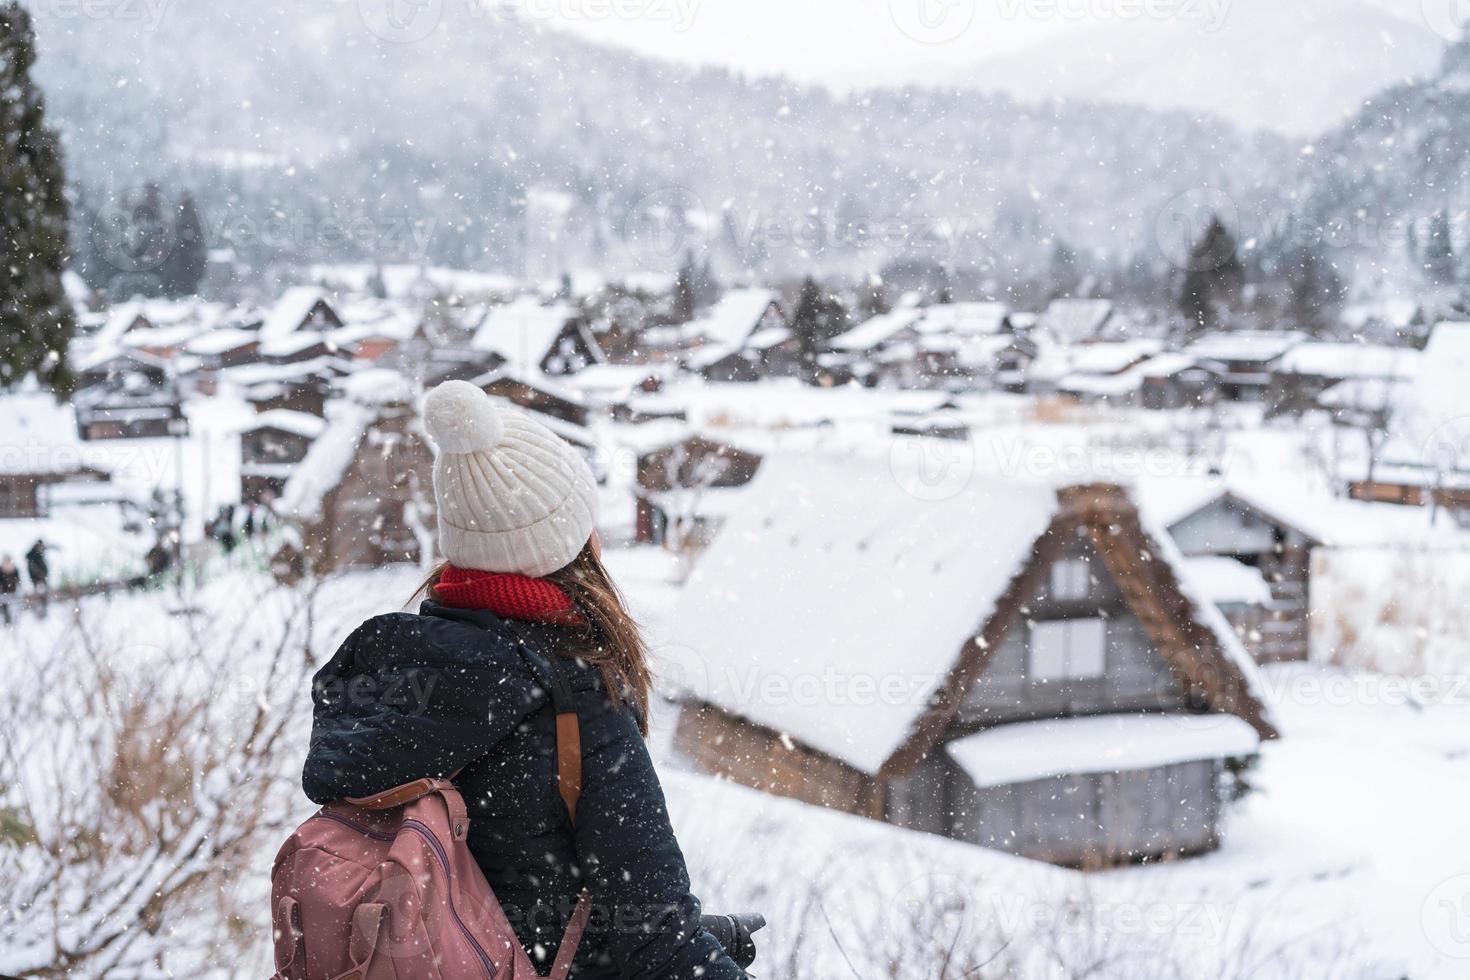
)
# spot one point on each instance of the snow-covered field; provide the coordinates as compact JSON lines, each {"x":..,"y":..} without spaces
{"x":1348,"y":861}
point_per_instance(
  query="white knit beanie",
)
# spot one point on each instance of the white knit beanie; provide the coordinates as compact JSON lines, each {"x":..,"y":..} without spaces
{"x":513,"y":496}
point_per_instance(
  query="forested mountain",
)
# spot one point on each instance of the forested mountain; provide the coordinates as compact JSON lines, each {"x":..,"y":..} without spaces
{"x":490,"y":143}
{"x":1293,"y":66}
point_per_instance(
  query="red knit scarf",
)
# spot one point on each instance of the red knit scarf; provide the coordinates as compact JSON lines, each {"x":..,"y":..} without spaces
{"x":507,"y":595}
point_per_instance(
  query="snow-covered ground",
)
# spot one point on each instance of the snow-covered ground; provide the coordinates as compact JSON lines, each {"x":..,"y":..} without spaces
{"x":1348,"y":861}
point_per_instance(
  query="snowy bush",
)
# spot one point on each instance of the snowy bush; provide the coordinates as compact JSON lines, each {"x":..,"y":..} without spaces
{"x":143,"y":774}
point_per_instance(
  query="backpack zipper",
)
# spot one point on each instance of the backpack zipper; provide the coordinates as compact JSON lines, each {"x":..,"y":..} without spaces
{"x":428,"y":835}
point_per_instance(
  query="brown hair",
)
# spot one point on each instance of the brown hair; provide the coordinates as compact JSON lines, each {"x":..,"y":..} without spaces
{"x":611,"y":639}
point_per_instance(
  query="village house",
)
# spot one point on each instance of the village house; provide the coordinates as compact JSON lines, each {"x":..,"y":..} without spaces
{"x":743,"y":337}
{"x":1173,"y":380}
{"x":1107,"y":371}
{"x":270,"y":447}
{"x":1250,"y":550}
{"x":534,"y":339}
{"x":361,"y":496}
{"x":224,"y":347}
{"x":1425,"y":421}
{"x":1069,"y":320}
{"x":302,"y":386}
{"x":1244,"y":361}
{"x":1015,"y":665}
{"x":1304,"y":373}
{"x":304,"y":309}
{"x":680,"y":478}
{"x":535,"y":393}
{"x":41,"y":453}
{"x":128,"y":395}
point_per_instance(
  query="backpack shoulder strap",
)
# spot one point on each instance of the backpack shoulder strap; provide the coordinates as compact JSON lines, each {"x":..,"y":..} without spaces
{"x":563,"y":702}
{"x":568,"y":737}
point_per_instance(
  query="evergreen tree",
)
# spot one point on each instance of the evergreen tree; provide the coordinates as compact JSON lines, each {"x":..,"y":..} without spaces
{"x":1214,"y":279}
{"x":685,"y":290}
{"x":187,"y":260}
{"x":376,"y":284}
{"x":37,"y":322}
{"x":1065,"y":271}
{"x":818,"y":318}
{"x":1315,"y":291}
{"x":1437,"y":255}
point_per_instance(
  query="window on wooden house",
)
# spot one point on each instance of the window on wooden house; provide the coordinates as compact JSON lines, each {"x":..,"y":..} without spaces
{"x":1071,"y":580}
{"x":1067,"y":649}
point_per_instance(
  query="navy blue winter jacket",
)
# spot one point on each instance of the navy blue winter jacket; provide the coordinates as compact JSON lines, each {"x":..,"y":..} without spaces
{"x":409,"y":696}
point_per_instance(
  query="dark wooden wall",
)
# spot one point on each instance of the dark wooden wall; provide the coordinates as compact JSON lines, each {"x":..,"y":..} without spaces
{"x":1232,"y":529}
{"x":724,"y":745}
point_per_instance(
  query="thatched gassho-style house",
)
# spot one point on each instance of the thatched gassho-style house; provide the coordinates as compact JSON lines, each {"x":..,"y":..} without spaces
{"x":853,"y":645}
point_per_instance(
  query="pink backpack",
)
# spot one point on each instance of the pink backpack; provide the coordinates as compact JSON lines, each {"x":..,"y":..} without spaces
{"x":385,"y":887}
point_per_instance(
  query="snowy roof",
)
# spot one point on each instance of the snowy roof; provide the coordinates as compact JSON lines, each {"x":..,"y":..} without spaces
{"x":119,"y":320}
{"x":326,"y":366}
{"x":220,"y":341}
{"x":326,"y":462}
{"x":1165,"y":365}
{"x":1367,"y":394}
{"x":1031,"y":750}
{"x":377,"y":386}
{"x":1110,"y":357}
{"x":1226,"y":581}
{"x":1337,"y":360}
{"x":768,"y":337}
{"x":731,"y":321}
{"x":1442,"y":390}
{"x":1244,"y":345}
{"x":874,"y":331}
{"x":1070,"y":321}
{"x":40,"y":435}
{"x":1391,"y":312}
{"x":293,"y":343}
{"x":970,"y":319}
{"x":1288,"y":499}
{"x":806,"y":577}
{"x":291,"y":310}
{"x":522,"y":331}
{"x":299,"y":423}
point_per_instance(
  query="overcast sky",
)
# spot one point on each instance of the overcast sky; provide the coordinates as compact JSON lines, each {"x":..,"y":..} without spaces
{"x":856,"y":41}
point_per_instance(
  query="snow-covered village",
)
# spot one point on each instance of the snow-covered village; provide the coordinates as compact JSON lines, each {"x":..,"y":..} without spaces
{"x":989,"y":501}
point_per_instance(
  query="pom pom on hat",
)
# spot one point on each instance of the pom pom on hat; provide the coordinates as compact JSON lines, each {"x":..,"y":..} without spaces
{"x":462,"y":419}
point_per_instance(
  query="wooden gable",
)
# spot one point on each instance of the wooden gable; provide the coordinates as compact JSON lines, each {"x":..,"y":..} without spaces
{"x":1103,"y":516}
{"x":1230,"y":525}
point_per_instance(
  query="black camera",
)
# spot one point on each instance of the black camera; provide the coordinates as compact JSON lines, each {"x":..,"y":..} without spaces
{"x":733,"y":933}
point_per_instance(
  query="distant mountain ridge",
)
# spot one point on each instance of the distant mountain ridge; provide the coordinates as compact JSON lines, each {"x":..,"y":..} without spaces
{"x":1298,"y":67}
{"x":491,"y":144}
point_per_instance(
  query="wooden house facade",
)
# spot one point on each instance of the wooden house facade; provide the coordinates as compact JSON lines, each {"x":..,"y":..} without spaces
{"x":1231,"y":524}
{"x":130,"y":395}
{"x":690,"y":466}
{"x":362,"y":496}
{"x":1049,"y":689}
{"x":270,"y":449}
